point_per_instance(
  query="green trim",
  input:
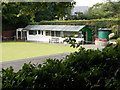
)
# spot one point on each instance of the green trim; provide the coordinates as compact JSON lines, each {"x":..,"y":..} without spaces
{"x":89,"y":34}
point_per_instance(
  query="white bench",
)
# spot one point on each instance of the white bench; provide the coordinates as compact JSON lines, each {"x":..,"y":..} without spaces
{"x":54,"y":40}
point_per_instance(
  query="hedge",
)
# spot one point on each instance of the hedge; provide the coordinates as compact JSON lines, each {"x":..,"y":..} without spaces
{"x":95,"y":22}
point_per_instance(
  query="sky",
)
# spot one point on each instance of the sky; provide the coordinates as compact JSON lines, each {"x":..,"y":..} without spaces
{"x":88,"y":2}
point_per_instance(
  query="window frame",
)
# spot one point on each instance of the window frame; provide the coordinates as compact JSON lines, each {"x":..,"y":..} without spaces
{"x":32,"y":32}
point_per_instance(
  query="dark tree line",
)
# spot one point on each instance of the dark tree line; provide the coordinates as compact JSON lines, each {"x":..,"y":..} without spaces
{"x":19,"y":14}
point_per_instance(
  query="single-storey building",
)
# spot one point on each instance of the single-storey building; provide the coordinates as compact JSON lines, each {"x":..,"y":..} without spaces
{"x":54,"y":33}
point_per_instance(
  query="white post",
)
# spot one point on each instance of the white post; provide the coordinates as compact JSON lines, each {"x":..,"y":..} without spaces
{"x":54,"y":33}
{"x":50,"y":33}
{"x":61,"y":34}
{"x":37,"y":32}
{"x":21,"y":35}
{"x":44,"y":33}
{"x":17,"y":34}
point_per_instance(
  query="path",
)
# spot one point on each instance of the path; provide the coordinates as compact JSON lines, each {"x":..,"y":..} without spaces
{"x":17,"y":64}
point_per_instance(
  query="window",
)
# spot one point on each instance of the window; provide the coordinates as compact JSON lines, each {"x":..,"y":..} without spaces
{"x":58,"y":33}
{"x":39,"y":31}
{"x":52,"y":33}
{"x":32,"y":32}
{"x":47,"y":33}
{"x":42,"y":32}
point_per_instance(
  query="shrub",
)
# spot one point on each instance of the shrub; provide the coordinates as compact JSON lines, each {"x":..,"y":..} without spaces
{"x":98,"y":68}
{"x":52,"y":74}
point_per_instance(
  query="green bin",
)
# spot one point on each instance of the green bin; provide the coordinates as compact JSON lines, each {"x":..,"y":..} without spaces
{"x":103,"y":33}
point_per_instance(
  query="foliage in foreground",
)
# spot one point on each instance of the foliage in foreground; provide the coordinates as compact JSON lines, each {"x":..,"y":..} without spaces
{"x":85,"y":69}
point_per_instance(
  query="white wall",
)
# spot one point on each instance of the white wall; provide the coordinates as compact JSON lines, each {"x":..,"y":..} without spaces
{"x":38,"y":37}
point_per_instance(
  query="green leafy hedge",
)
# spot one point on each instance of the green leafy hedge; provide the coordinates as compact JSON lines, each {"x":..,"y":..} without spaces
{"x":85,"y":69}
{"x":100,"y":23}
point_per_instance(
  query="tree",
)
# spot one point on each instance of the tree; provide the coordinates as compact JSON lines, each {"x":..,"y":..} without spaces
{"x":19,"y":14}
{"x":59,"y":9}
{"x":104,"y":10}
{"x":10,"y":18}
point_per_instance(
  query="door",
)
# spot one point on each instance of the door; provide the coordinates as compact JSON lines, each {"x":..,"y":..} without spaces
{"x":24,"y":35}
{"x":84,"y":33}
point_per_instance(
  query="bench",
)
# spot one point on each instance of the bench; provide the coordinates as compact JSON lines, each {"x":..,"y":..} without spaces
{"x":55,"y":40}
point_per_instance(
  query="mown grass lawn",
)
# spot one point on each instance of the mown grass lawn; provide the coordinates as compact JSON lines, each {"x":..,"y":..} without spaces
{"x":21,"y":50}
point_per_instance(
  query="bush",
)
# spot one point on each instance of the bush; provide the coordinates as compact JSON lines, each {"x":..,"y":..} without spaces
{"x":85,"y":69}
{"x":52,"y":74}
{"x":98,"y":68}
